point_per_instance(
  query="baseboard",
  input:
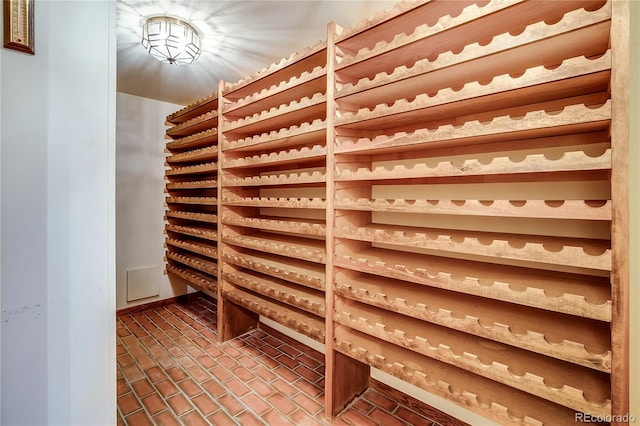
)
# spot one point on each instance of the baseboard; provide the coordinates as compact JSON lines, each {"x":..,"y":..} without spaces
{"x":184,"y":298}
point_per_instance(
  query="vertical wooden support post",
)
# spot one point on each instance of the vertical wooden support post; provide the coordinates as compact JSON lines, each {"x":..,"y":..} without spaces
{"x":345,"y":377}
{"x":620,"y":51}
{"x":350,"y":379}
{"x":233,"y":320}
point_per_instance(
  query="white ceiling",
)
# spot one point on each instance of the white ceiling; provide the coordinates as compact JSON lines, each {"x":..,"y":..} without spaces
{"x":239,"y":39}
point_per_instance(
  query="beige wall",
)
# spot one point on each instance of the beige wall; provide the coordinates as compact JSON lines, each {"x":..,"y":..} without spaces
{"x":140,"y":197}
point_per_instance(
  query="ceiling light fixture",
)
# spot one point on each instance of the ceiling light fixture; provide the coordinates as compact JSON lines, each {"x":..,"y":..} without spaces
{"x":171,"y":40}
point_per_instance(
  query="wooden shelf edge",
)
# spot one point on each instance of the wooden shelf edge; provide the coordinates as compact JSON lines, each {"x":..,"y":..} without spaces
{"x":510,"y":284}
{"x":294,"y":203}
{"x":277,"y":290}
{"x":206,"y":137}
{"x":277,"y":138}
{"x":280,"y":245}
{"x":498,"y":402}
{"x":210,"y":251}
{"x":549,"y":209}
{"x":199,"y":280}
{"x":204,"y":266}
{"x":204,"y":233}
{"x":274,"y":67}
{"x":306,"y":324}
{"x":282,"y":268}
{"x":292,"y":226}
{"x":584,"y":253}
{"x":208,"y":103}
{"x":195,"y":169}
{"x":479,"y":357}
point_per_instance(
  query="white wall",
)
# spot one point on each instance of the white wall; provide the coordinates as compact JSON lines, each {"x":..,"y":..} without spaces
{"x":24,"y":231}
{"x":58,"y":219}
{"x":140,"y":194}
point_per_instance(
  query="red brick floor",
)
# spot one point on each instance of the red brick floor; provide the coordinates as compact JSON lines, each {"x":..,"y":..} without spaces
{"x":172,"y":371}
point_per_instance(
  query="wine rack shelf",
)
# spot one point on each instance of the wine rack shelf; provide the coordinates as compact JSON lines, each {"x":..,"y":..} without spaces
{"x":273,"y":188}
{"x":196,"y":109}
{"x":297,"y":248}
{"x":559,"y":209}
{"x":436,"y":284}
{"x":563,"y":383}
{"x":296,"y":135}
{"x":435,"y":193}
{"x":201,"y":154}
{"x":192,"y":186}
{"x":308,"y":324}
{"x":459,"y":385}
{"x":202,"y":248}
{"x":194,"y":216}
{"x":202,"y":139}
{"x":588,"y":295}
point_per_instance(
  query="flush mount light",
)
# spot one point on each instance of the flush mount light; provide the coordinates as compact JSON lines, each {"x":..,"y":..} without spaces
{"x":171,"y":40}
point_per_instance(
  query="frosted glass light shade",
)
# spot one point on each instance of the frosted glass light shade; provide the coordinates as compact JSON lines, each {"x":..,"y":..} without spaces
{"x":171,"y":40}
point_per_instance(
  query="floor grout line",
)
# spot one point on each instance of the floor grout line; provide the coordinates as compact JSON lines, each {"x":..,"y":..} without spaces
{"x":261,"y":365}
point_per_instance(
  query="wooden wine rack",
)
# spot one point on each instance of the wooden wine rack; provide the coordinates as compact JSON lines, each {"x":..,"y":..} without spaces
{"x":273,"y":196}
{"x":192,"y":203}
{"x":438,"y":193}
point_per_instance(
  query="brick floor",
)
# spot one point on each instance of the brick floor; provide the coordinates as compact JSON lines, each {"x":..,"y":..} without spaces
{"x":172,"y":371}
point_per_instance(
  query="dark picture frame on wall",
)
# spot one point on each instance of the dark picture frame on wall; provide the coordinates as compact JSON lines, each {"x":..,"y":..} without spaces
{"x":18,"y":25}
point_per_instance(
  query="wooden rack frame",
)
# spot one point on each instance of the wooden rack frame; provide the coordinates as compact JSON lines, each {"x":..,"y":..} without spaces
{"x":192,"y":186}
{"x":439,"y":192}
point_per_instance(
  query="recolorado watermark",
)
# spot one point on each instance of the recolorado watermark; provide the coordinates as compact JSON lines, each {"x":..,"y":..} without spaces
{"x":604,"y":418}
